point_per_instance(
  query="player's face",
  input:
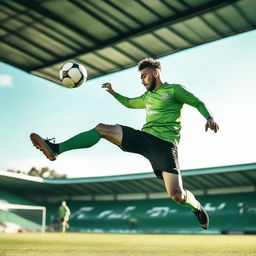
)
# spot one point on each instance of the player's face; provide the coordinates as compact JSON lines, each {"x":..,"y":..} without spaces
{"x":147,"y":78}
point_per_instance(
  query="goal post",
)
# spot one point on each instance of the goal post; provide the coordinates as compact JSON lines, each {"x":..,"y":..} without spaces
{"x":23,"y":217}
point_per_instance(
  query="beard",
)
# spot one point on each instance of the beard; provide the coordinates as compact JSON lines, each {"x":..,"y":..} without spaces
{"x":153,"y":85}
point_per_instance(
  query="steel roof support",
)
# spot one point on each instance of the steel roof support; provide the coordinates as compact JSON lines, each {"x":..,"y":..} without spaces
{"x":92,"y":3}
{"x":231,"y":179}
{"x":106,"y":23}
{"x":170,"y":6}
{"x":225,"y":22}
{"x":248,"y":178}
{"x":44,"y":32}
{"x":214,"y":29}
{"x":222,"y":181}
{"x":90,"y":65}
{"x":192,"y":182}
{"x":41,"y":21}
{"x":23,"y":51}
{"x":85,"y":188}
{"x":36,"y":45}
{"x":210,"y":180}
{"x":96,"y":16}
{"x":212,"y":5}
{"x":120,"y":186}
{"x":50,"y":15}
{"x":248,"y":20}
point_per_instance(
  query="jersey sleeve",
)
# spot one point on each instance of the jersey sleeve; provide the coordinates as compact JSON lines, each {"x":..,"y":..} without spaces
{"x":184,"y":96}
{"x":137,"y":102}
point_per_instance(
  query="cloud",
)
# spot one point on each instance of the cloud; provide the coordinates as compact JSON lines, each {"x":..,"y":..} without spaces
{"x":5,"y":80}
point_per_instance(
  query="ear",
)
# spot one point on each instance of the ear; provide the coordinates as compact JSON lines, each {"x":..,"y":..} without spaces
{"x":155,"y":73}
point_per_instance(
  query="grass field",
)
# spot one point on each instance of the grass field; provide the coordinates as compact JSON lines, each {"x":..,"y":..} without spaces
{"x":78,"y":244}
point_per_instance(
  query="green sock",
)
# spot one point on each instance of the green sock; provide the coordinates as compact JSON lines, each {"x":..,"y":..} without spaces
{"x":82,"y":140}
{"x":191,"y":201}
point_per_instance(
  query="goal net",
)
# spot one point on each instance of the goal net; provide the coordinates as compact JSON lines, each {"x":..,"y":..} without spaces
{"x":22,"y":218}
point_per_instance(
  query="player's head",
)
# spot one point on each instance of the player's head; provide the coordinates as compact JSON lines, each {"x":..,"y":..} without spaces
{"x":63,"y":203}
{"x":149,"y":72}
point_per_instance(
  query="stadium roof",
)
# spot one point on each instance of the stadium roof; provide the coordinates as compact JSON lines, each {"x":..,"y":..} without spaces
{"x":106,"y":36}
{"x":224,"y":179}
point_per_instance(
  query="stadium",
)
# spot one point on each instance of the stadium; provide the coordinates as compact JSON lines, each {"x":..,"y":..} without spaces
{"x":126,"y":214}
{"x":132,"y":204}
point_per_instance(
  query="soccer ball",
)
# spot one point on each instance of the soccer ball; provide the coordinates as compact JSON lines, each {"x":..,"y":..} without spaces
{"x":72,"y":74}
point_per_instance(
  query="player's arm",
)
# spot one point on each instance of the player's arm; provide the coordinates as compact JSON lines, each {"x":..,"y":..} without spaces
{"x":67,"y":212}
{"x":137,"y":102}
{"x":184,"y":96}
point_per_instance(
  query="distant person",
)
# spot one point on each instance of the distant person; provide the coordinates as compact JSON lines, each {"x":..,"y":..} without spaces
{"x":64,"y":214}
{"x":133,"y":223}
{"x":159,"y":137}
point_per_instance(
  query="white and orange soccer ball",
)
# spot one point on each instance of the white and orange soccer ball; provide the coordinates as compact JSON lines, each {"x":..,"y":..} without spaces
{"x":72,"y":74}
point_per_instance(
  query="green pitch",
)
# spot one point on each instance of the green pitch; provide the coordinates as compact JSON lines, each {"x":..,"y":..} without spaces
{"x":55,"y":244}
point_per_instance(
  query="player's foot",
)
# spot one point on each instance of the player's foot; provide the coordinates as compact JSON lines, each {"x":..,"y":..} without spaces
{"x":202,"y":217}
{"x":45,"y":146}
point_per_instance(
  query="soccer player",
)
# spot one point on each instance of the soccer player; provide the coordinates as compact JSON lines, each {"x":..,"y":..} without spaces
{"x":157,"y":140}
{"x":64,"y":214}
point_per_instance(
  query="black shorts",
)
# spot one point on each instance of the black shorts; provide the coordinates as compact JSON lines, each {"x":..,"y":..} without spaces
{"x":163,"y":155}
{"x":64,"y":220}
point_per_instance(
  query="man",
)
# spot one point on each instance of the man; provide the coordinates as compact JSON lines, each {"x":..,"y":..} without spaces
{"x":159,"y":137}
{"x":64,"y":214}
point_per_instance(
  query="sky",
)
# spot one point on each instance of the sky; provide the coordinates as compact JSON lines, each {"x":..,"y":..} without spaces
{"x":220,"y":73}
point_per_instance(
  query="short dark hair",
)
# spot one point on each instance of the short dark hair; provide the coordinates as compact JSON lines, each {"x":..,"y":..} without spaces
{"x":148,"y":62}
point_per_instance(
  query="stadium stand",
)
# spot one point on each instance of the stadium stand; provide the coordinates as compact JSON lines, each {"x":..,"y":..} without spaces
{"x":18,"y":214}
{"x":22,"y":223}
{"x":231,"y":212}
{"x":11,"y":198}
{"x":138,"y":203}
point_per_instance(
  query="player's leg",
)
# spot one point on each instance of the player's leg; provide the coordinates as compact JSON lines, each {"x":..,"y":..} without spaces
{"x":174,"y":187}
{"x":112,"y":133}
{"x":63,"y":225}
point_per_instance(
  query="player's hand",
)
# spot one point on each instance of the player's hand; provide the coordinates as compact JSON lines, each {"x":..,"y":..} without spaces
{"x":211,"y":124}
{"x":109,"y":88}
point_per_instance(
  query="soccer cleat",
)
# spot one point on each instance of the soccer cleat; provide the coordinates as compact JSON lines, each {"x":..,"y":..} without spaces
{"x":44,"y":145}
{"x":202,"y":217}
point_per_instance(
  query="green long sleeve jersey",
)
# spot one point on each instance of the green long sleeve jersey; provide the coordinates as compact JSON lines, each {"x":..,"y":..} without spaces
{"x":163,"y":107}
{"x":63,"y":212}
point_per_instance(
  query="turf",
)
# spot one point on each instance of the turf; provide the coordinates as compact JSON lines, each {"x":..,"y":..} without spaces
{"x":78,"y":244}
